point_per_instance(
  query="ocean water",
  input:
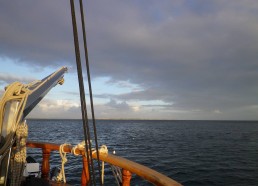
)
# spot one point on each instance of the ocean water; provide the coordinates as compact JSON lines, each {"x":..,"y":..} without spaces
{"x":190,"y":152}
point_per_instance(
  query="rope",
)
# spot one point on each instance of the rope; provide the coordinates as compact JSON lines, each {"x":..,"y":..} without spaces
{"x":103,"y":150}
{"x":64,"y":160}
{"x":14,"y":92}
{"x":80,"y":146}
{"x":15,"y":96}
{"x":19,"y":159}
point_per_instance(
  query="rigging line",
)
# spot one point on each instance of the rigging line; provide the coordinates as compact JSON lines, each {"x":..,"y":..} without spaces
{"x":89,"y":84}
{"x":82,"y":94}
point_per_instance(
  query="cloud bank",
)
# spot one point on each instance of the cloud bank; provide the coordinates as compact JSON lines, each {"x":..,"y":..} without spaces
{"x":198,"y":57}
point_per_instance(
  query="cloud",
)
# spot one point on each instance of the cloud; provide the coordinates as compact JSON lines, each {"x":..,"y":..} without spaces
{"x":217,"y":111}
{"x":49,"y":108}
{"x":123,"y":106}
{"x":195,"y":55}
{"x":63,"y":109}
{"x":148,"y":94}
{"x":10,"y":78}
{"x":58,"y":104}
{"x":35,"y":37}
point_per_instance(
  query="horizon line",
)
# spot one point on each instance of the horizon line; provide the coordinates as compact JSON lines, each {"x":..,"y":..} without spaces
{"x":143,"y":119}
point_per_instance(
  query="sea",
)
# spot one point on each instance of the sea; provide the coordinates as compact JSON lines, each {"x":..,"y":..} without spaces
{"x":194,"y":153}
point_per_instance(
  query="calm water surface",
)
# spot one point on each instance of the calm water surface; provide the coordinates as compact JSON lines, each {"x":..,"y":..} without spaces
{"x":191,"y":152}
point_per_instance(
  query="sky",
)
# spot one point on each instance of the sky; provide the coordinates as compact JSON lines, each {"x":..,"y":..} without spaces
{"x":180,"y":59}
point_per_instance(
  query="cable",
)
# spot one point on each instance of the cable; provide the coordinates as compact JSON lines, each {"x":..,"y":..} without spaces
{"x":89,"y":84}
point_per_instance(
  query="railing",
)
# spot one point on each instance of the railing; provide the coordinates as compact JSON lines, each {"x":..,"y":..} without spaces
{"x":128,"y":167}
